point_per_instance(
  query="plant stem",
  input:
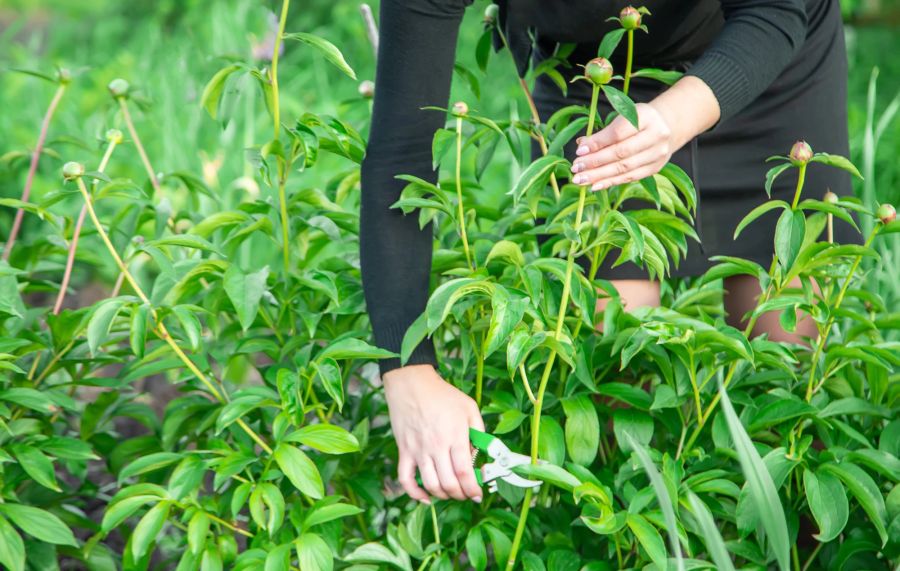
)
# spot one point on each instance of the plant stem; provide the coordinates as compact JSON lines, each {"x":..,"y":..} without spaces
{"x":628,"y":60}
{"x":461,"y":213}
{"x":129,"y":124}
{"x":276,"y":114}
{"x":526,"y":383}
{"x":560,"y":319}
{"x":160,"y":329}
{"x":32,"y":168}
{"x":801,"y":176}
{"x":534,"y":114}
{"x":811,"y":387}
{"x":73,"y":247}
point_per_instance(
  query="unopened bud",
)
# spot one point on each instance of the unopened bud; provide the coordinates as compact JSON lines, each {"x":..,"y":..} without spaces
{"x":460,"y":108}
{"x":490,"y":13}
{"x":118,"y":87}
{"x":630,"y":18}
{"x":801,"y":152}
{"x":599,"y":71}
{"x":72,"y":170}
{"x":114,"y":136}
{"x":367,"y":89}
{"x":64,"y":76}
{"x":886,"y":213}
{"x":830,"y":198}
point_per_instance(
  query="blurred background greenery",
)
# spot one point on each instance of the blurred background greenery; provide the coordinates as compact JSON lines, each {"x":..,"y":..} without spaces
{"x":168,"y":50}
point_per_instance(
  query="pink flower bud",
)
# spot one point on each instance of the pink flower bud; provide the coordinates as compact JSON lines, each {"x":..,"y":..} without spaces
{"x":886,"y":213}
{"x":72,"y":170}
{"x":460,"y":108}
{"x":118,"y":88}
{"x":367,"y":89}
{"x":630,"y":18}
{"x":830,"y":198}
{"x":801,"y":152}
{"x":599,"y":71}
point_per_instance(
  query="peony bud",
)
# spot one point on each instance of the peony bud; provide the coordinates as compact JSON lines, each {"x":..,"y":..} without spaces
{"x":830,"y":198}
{"x":367,"y":89}
{"x":118,"y":87}
{"x":460,"y":108}
{"x":490,"y":13}
{"x":72,"y":170}
{"x":64,"y":76}
{"x":801,"y":152}
{"x":630,"y":18}
{"x":886,"y":213}
{"x":599,"y":71}
{"x":114,"y":136}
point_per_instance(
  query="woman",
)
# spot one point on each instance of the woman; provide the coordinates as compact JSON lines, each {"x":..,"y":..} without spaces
{"x":759,"y":75}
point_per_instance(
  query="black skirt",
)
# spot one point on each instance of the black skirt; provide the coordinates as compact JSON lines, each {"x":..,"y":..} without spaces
{"x":808,"y":101}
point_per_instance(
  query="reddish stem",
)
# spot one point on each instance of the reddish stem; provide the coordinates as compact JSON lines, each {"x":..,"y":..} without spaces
{"x":70,"y":261}
{"x":35,"y":158}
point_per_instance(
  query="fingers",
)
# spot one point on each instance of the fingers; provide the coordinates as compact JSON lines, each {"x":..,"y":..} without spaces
{"x":447,"y":474}
{"x":621,"y":151}
{"x":619,"y":130}
{"x":430,"y":477}
{"x":631,"y":176}
{"x":465,"y":472}
{"x":625,"y":170}
{"x":406,"y":474}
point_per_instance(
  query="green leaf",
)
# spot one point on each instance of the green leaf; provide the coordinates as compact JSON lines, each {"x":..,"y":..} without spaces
{"x":551,"y":441}
{"x":300,"y":470}
{"x":622,"y":104}
{"x":147,"y":530}
{"x":609,"y":42}
{"x":184,"y":241}
{"x":245,"y":291}
{"x":190,"y":324}
{"x":197,"y":532}
{"x":212,"y":93}
{"x":149,"y":463}
{"x":476,"y":550}
{"x":378,"y":553}
{"x":649,"y":538}
{"x":789,"y":236}
{"x":536,"y":176}
{"x":313,"y":553}
{"x":119,"y":511}
{"x":639,"y":425}
{"x":506,"y":250}
{"x":12,"y":548}
{"x":759,"y":482}
{"x":39,"y":524}
{"x":36,"y":464}
{"x":662,"y":496}
{"x":267,"y":496}
{"x":836,"y":161}
{"x":772,"y":174}
{"x":711,"y":535}
{"x":327,"y":49}
{"x":350,"y":348}
{"x":759,"y":211}
{"x":582,"y":429}
{"x":101,"y":321}
{"x":865,"y":490}
{"x":506,"y":312}
{"x":827,"y":501}
{"x":330,"y":512}
{"x":326,"y":438}
{"x":669,"y":77}
{"x":138,"y":335}
{"x":556,"y":475}
{"x":329,"y":372}
{"x":278,"y":558}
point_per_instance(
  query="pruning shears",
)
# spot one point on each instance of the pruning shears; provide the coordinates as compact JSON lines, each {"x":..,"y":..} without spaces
{"x":504,"y":460}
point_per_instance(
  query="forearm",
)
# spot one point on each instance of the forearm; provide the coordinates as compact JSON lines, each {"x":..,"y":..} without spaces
{"x":689,"y":108}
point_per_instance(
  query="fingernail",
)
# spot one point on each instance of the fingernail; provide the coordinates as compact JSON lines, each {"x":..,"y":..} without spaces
{"x":579,"y":179}
{"x":599,"y":186}
{"x":477,"y":499}
{"x":579,"y":140}
{"x":578,"y":167}
{"x":582,"y":150}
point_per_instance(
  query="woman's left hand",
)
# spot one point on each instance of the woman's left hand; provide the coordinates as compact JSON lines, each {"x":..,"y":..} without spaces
{"x":619,"y":153}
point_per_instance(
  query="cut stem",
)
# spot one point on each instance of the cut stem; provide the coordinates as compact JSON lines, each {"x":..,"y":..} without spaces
{"x":32,"y":168}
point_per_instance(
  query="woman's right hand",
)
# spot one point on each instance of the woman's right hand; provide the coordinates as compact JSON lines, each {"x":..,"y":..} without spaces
{"x":430,"y":419}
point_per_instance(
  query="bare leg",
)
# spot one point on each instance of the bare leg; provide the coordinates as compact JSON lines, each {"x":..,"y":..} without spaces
{"x":634,"y":293}
{"x":741,"y":293}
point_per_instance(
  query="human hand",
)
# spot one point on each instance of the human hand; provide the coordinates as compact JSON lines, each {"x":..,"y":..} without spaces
{"x":619,"y":153}
{"x":430,"y":419}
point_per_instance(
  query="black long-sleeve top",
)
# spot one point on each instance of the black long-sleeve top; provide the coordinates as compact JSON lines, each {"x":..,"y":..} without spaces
{"x":736,"y":47}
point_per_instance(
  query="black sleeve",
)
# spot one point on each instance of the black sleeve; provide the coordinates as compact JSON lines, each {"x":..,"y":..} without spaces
{"x":759,"y":39}
{"x":416,"y":52}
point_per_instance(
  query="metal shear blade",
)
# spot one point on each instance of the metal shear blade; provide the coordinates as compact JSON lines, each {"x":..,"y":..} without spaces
{"x":504,"y":460}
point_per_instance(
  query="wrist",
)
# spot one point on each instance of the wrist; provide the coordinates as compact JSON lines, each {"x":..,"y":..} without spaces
{"x":407,"y":373}
{"x":689,"y":108}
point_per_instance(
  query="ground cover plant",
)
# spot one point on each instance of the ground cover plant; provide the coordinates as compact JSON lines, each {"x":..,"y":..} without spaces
{"x":672,"y":440}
